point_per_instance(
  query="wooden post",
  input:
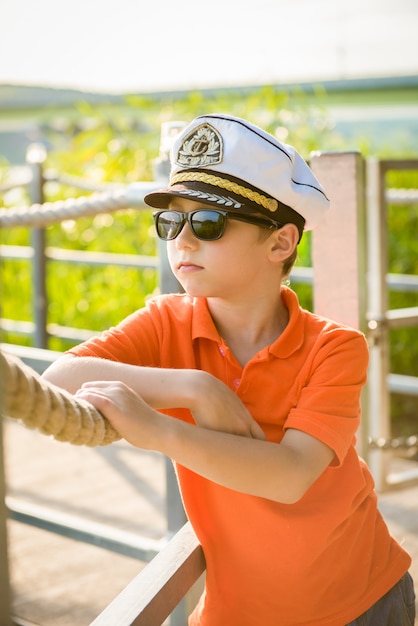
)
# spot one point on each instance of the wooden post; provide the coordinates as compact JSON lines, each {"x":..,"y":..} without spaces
{"x":338,"y":244}
{"x":175,"y":514}
{"x":339,"y":249}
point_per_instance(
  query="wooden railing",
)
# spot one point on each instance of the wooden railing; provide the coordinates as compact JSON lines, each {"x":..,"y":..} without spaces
{"x":151,"y":597}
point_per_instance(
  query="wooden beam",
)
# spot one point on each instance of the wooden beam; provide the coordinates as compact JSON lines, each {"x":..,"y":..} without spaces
{"x":338,"y":243}
{"x":339,"y":252}
{"x":152,"y":595}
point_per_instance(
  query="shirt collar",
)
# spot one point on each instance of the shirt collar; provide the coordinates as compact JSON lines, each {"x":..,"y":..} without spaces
{"x":292,"y":337}
{"x":202,"y":324}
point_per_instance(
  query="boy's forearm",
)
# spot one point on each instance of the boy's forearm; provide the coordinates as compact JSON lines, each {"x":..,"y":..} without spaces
{"x":240,"y":463}
{"x":280,"y":472}
{"x":160,"y":388}
{"x":260,"y":468}
{"x":212,"y":404}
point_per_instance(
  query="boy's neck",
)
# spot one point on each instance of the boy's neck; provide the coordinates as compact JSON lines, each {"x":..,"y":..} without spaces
{"x":248,"y":329}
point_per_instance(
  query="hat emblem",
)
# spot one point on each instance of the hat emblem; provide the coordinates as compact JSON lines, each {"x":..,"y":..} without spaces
{"x":203,"y":146}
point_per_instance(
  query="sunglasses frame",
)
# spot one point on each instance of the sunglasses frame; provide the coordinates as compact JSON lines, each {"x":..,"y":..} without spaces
{"x":187,"y":216}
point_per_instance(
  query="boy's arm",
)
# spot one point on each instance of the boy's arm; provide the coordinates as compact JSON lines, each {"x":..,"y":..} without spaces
{"x":280,"y":472}
{"x":162,"y":389}
{"x":157,"y":386}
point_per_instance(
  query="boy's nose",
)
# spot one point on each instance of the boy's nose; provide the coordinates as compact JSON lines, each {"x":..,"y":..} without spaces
{"x":186,"y":238}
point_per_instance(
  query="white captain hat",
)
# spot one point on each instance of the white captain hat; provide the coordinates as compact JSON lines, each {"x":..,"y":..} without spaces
{"x":227,"y":162}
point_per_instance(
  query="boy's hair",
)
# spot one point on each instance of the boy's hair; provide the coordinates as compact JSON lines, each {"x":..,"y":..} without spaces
{"x":289,"y":263}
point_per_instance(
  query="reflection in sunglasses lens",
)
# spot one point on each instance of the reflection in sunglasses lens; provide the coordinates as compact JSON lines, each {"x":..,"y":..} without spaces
{"x":207,"y":224}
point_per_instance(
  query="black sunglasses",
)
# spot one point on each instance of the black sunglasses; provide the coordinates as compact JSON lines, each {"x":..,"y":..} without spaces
{"x":205,"y":224}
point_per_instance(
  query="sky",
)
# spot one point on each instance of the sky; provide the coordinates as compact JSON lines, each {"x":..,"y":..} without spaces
{"x":150,"y":45}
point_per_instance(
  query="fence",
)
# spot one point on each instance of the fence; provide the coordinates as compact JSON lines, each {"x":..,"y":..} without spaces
{"x":117,"y":198}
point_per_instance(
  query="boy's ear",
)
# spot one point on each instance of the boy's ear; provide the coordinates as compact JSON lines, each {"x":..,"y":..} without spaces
{"x":284,"y":241}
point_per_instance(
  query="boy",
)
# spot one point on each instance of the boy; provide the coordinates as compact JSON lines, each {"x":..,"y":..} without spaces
{"x":255,"y":400}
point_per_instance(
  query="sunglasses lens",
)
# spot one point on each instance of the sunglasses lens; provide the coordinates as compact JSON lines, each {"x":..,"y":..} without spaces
{"x":208,"y":225}
{"x":168,"y":224}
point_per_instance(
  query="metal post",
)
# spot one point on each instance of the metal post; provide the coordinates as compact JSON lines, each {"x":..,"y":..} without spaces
{"x":35,"y":157}
{"x":379,"y":398}
{"x":168,"y":284}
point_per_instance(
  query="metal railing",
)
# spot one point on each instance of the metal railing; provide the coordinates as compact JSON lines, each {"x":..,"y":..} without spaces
{"x":381,"y":320}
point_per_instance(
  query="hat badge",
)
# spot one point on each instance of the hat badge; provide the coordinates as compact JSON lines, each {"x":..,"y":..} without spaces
{"x":202,"y":147}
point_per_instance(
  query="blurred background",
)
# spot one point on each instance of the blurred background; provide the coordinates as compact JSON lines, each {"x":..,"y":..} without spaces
{"x":359,"y":57}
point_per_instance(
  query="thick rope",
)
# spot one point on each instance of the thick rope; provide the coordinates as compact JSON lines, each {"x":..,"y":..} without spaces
{"x":38,"y":215}
{"x":52,"y":212}
{"x":81,"y":183}
{"x":40,"y":405}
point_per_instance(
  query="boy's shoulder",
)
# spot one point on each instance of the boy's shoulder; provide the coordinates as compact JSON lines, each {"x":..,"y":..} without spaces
{"x":326,"y":336}
{"x":326,"y":324}
{"x":329,"y":331}
{"x":313,"y":321}
{"x":313,"y":333}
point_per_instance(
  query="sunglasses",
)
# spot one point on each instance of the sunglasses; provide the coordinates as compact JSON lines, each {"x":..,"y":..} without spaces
{"x":205,"y":224}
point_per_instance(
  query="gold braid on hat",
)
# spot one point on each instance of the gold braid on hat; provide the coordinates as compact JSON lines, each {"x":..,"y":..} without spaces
{"x":268,"y":203}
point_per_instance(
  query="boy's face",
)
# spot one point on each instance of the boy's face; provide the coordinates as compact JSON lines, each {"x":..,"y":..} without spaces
{"x":233,"y":266}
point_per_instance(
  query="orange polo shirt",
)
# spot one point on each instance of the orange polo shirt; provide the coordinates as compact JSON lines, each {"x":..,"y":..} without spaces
{"x":322,"y":561}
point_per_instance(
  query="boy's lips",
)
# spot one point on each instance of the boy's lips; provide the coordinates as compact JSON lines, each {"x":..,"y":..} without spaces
{"x":185,"y":266}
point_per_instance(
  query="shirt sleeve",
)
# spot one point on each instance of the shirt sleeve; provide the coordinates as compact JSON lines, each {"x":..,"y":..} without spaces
{"x":329,"y":406}
{"x":134,"y":341}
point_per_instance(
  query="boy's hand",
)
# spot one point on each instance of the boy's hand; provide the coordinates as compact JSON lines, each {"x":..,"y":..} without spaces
{"x":218,"y":408}
{"x":129,"y":415}
{"x":214,"y":406}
